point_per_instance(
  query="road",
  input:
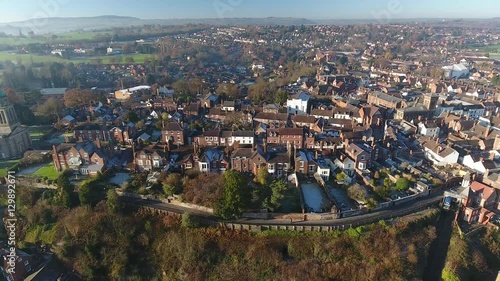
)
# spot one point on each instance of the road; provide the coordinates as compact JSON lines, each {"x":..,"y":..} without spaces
{"x":393,"y":212}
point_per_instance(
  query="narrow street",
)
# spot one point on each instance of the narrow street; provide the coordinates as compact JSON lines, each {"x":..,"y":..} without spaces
{"x":439,"y":247}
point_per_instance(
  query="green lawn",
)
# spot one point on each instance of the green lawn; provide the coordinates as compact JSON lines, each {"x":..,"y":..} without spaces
{"x":494,"y":55}
{"x":47,"y":171}
{"x":60,"y":38}
{"x":5,"y":165}
{"x":27,"y":58}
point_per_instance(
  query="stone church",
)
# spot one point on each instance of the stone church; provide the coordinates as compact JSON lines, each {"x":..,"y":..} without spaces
{"x":14,"y":138}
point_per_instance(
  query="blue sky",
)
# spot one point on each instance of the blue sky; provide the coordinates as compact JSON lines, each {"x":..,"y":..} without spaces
{"x":12,"y":10}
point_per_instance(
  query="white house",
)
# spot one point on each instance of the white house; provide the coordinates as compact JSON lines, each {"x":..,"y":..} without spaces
{"x":154,"y":114}
{"x":479,"y":164}
{"x":474,"y":162}
{"x":456,"y":71}
{"x":429,"y":129}
{"x":325,"y":167}
{"x":228,"y":106}
{"x":242,"y":137}
{"x":440,"y":154}
{"x":345,"y":164}
{"x":298,"y":104}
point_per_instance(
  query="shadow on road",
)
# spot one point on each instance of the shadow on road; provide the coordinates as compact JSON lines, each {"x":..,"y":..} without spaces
{"x":439,"y":247}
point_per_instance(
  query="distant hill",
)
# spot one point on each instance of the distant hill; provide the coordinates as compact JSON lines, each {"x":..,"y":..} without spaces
{"x":62,"y":25}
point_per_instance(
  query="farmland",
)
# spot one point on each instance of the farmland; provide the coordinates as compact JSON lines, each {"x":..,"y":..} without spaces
{"x":29,"y":59}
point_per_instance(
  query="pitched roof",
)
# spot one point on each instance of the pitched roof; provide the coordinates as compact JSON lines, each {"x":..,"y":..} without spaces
{"x":303,"y":119}
{"x":291,"y":131}
{"x":478,"y":186}
{"x":173,"y":126}
{"x":272,"y":116}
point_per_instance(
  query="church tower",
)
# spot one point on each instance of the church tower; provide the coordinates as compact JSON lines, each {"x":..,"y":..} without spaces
{"x":8,"y":117}
{"x":14,"y":138}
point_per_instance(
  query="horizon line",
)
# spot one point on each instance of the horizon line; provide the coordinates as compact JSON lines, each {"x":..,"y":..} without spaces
{"x":270,"y":17}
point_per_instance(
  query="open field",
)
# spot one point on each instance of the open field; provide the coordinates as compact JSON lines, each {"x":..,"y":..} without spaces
{"x":494,"y":55}
{"x":28,"y":59}
{"x":490,"y":49}
{"x":71,"y":36}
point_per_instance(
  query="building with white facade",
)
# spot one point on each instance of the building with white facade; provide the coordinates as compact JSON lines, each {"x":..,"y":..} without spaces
{"x":242,"y":137}
{"x":440,"y":154}
{"x":429,"y":129}
{"x":298,"y":104}
{"x":456,"y":71}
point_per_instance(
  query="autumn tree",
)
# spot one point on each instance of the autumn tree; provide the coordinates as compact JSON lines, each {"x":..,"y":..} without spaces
{"x":172,"y":184}
{"x":113,"y":201}
{"x":261,"y":91}
{"x":437,"y":72}
{"x":262,"y":176}
{"x":77,"y":97}
{"x":496,"y":80}
{"x":180,"y":87}
{"x":202,"y":189}
{"x":235,"y":197}
{"x":281,"y":97}
{"x":12,"y":96}
{"x":227,"y":90}
{"x":52,"y":108}
{"x":195,"y":86}
{"x":357,"y":192}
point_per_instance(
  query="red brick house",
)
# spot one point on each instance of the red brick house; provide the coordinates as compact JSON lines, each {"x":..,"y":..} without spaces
{"x":86,"y":158}
{"x":174,"y":133}
{"x":123,"y":134}
{"x":149,"y":159}
{"x":305,"y":162}
{"x":294,"y":136}
{"x":91,"y":132}
{"x":209,"y":138}
{"x":479,"y":202}
{"x":361,"y":153}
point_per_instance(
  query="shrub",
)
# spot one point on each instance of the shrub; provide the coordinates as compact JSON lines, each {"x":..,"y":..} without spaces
{"x":189,"y":221}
